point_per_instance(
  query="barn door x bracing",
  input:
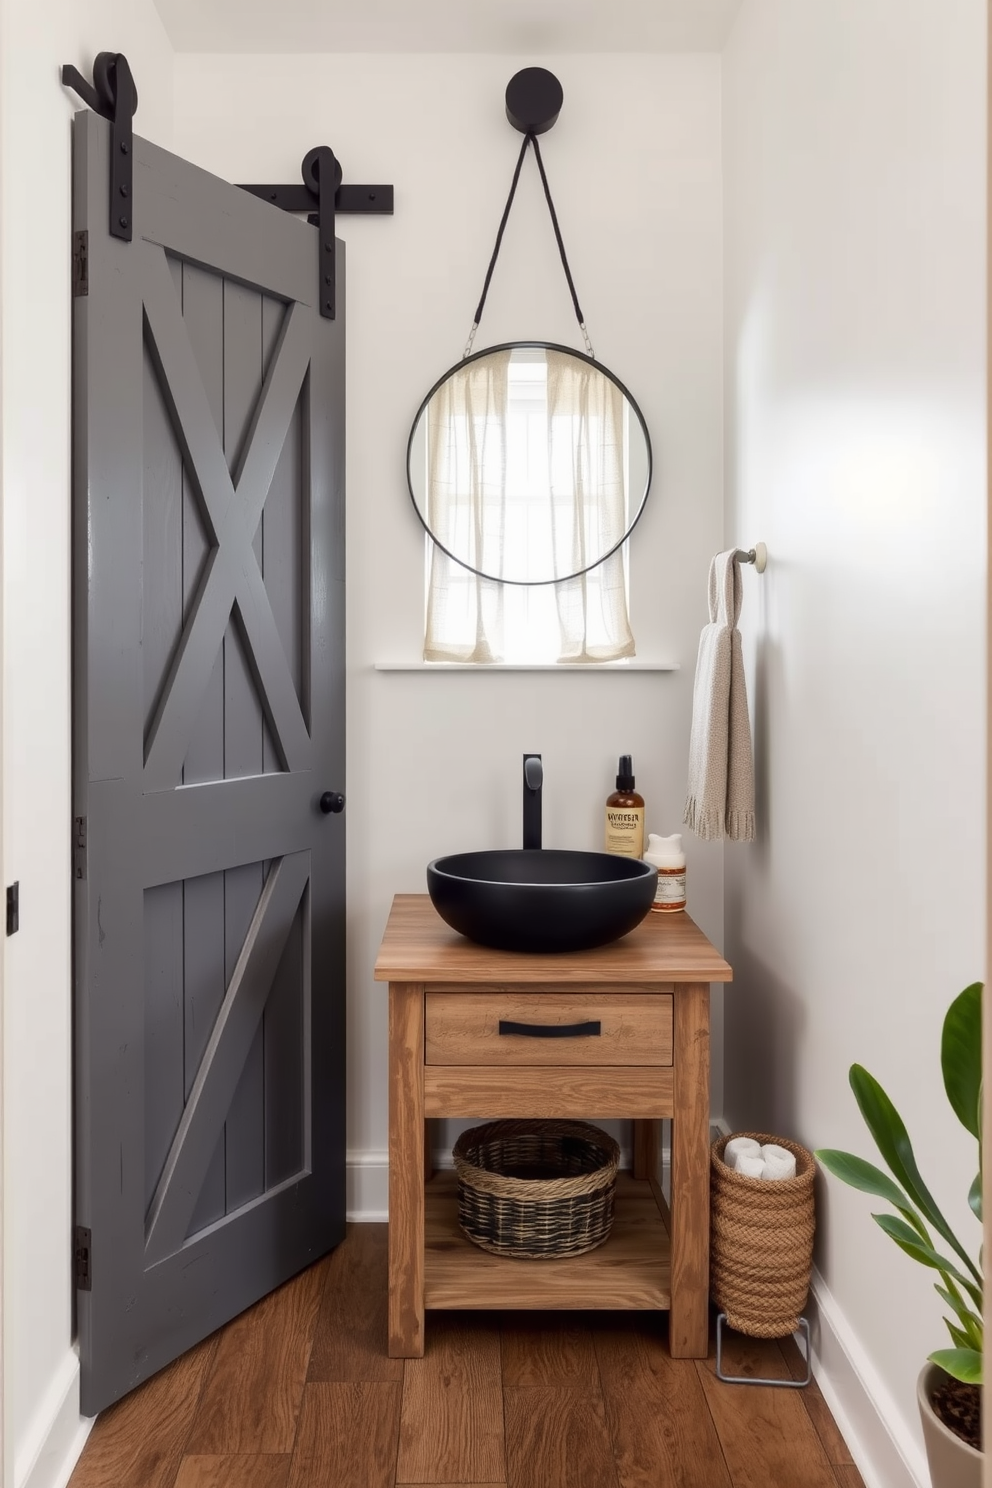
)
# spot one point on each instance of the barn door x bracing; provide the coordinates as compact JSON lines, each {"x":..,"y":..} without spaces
{"x":208,"y":723}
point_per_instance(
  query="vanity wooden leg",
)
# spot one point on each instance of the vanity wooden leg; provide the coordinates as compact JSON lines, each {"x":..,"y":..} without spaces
{"x":406,"y":1170}
{"x":690,"y":1207}
{"x":645,"y":1149}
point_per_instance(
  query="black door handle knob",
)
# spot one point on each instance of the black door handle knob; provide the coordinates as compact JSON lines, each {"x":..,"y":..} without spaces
{"x":331,"y":801}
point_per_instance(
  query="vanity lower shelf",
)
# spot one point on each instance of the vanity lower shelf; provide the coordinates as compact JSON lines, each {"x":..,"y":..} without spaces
{"x":632,"y":1269}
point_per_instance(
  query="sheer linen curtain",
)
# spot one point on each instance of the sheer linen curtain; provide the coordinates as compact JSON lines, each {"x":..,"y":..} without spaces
{"x":574,"y":491}
{"x":466,"y":509}
{"x":586,"y":464}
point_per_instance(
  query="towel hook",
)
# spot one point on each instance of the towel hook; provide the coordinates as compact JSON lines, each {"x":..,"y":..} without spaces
{"x":758,"y":555}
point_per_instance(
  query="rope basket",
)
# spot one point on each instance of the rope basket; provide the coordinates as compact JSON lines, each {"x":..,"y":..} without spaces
{"x":536,"y":1189}
{"x":761,"y":1242}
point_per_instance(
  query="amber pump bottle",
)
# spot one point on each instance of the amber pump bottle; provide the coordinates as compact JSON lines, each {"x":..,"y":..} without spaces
{"x":625,"y":815}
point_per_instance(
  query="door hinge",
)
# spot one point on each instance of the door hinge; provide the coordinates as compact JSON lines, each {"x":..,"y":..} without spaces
{"x":13,"y":907}
{"x":82,"y":1242}
{"x":80,"y":264}
{"x":79,"y":847}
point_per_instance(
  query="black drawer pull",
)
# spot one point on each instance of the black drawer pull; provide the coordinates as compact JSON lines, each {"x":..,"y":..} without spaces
{"x":552,"y":1030}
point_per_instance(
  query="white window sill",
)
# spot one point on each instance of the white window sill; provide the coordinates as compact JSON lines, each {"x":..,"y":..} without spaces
{"x":526,"y":666}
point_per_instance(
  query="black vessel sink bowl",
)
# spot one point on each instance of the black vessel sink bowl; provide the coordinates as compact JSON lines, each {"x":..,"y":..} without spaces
{"x":531,"y":899}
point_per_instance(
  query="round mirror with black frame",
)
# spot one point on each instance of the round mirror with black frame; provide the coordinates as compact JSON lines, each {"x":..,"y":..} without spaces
{"x":529,"y":463}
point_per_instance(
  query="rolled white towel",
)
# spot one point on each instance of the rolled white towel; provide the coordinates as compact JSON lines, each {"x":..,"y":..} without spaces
{"x":738,"y":1145}
{"x":749,"y":1166}
{"x":778,"y":1162}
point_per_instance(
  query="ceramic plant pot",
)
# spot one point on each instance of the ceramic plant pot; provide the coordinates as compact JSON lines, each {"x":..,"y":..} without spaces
{"x":953,"y":1464}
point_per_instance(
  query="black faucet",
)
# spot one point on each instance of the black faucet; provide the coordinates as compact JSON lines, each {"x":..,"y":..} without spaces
{"x":533,"y":781}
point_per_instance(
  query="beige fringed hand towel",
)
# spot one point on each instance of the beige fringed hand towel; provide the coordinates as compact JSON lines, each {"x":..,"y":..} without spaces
{"x":721,"y":770}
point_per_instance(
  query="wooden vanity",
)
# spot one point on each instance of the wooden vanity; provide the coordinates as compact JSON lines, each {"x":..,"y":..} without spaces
{"x":649,"y":994}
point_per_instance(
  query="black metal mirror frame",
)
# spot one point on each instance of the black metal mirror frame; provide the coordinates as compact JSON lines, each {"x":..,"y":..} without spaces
{"x":531,"y":346}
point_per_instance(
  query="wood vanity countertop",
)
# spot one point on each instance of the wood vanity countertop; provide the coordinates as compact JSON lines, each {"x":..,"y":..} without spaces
{"x":418,"y":946}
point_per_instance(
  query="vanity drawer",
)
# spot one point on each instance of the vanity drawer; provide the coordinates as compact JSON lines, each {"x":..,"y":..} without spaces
{"x":521,"y":1026}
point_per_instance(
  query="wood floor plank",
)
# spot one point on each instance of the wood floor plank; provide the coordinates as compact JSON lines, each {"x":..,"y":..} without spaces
{"x":836,"y":1448}
{"x":451,"y":1424}
{"x":662,"y":1433}
{"x":251,"y":1398}
{"x":847,"y":1476}
{"x":766,"y":1434}
{"x":548,"y":1348}
{"x":557,"y":1438}
{"x":348,"y":1434}
{"x":351,"y":1339}
{"x":138,"y":1443}
{"x":235,"y":1470}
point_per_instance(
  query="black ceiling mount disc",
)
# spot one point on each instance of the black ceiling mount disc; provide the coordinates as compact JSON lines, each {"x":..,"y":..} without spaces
{"x":533,"y":100}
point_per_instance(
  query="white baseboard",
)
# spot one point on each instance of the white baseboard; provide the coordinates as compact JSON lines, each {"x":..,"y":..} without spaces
{"x":368,"y":1186}
{"x":57,"y":1433}
{"x":882,"y":1441}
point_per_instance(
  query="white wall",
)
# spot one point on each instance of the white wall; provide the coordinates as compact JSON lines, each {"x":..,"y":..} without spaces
{"x":854,"y":140}
{"x":434,"y":762}
{"x":41,"y":1384}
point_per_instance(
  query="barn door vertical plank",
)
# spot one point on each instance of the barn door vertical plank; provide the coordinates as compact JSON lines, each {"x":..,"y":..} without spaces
{"x":285,"y":557}
{"x":284,"y":563}
{"x":244,"y":733}
{"x":161,"y":625}
{"x":204,"y":983}
{"x":205,"y":961}
{"x":203,"y":316}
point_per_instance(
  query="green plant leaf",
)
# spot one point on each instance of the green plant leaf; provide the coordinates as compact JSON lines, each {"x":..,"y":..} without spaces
{"x":965,"y":1337}
{"x":908,"y":1240}
{"x":975,"y":1195}
{"x":958,"y":1336}
{"x":892,"y":1140}
{"x":863,"y":1175}
{"x":961,"y":1364}
{"x":968,"y":1319}
{"x":961,"y":1056}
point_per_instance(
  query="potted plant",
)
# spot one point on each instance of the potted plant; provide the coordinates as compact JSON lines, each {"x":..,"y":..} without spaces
{"x":949,"y":1386}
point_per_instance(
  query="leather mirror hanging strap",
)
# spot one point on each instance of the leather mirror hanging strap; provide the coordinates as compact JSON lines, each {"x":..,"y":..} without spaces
{"x":529,"y":139}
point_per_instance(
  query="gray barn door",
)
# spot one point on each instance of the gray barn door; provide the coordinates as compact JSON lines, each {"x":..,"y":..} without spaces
{"x":208,"y":722}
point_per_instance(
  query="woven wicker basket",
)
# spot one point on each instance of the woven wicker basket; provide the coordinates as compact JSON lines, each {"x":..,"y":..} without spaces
{"x":761,"y":1242}
{"x":536,"y":1189}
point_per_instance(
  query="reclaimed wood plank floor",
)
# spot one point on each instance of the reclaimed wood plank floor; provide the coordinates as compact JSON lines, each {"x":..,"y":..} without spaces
{"x":298,"y":1392}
